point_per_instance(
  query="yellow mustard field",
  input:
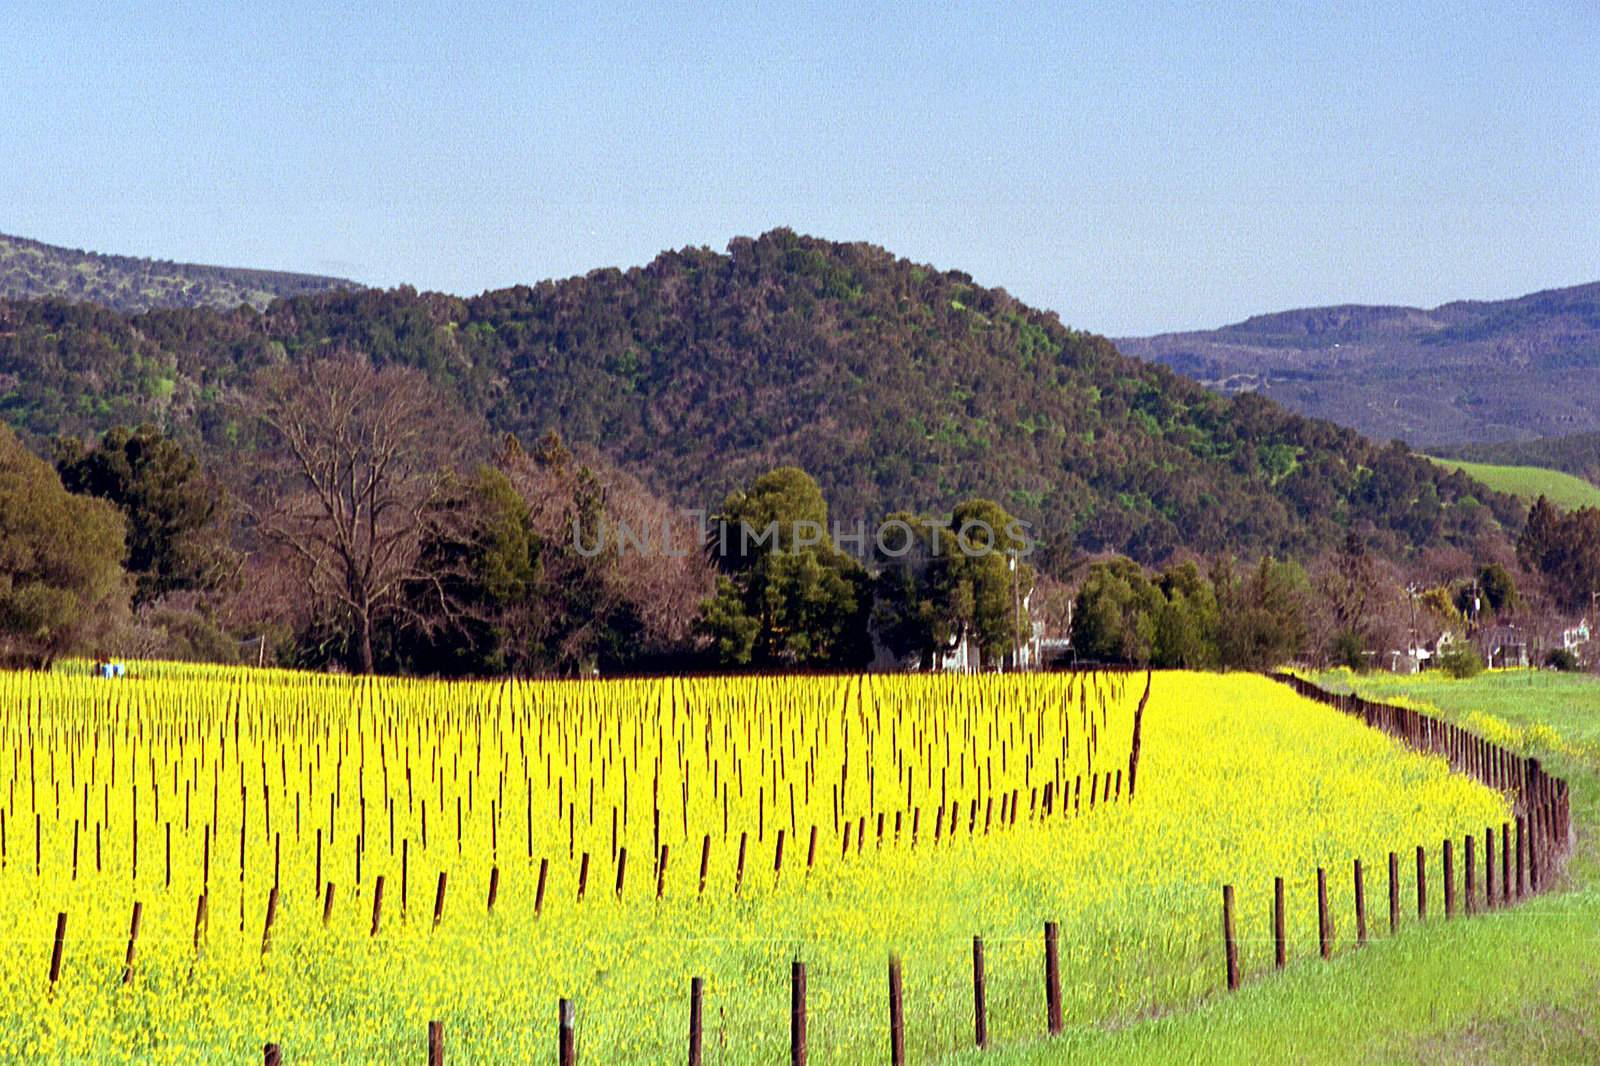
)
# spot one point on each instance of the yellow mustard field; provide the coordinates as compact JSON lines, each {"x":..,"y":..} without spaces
{"x":837,"y":820}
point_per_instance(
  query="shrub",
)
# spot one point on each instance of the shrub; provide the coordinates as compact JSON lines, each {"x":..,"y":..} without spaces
{"x":1461,"y":660}
{"x":1562,"y":659}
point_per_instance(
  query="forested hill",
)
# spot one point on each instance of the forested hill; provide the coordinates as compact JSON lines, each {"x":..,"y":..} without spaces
{"x":898,"y":386}
{"x":1467,"y":372}
{"x":31,"y":270}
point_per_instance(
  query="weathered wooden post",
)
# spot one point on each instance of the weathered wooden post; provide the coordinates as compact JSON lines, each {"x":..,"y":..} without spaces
{"x":1231,"y":946}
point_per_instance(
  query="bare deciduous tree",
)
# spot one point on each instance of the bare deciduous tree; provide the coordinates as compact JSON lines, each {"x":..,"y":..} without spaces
{"x":357,"y":459}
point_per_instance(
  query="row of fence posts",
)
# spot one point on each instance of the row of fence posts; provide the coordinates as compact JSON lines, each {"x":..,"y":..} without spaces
{"x":1542,"y":838}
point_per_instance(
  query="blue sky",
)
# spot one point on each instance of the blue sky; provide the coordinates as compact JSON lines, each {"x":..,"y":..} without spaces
{"x":1146,"y":168}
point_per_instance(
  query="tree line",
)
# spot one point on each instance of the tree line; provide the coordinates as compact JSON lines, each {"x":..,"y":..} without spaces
{"x":367,"y":523}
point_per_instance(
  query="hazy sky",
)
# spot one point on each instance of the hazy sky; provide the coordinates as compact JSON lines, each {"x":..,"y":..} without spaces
{"x":1168,"y":167}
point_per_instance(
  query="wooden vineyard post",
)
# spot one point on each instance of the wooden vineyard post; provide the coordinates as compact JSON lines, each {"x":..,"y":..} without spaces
{"x":1394,"y":893}
{"x":327,"y":905}
{"x":661,"y":869}
{"x":266,"y":927}
{"x":1230,"y":945}
{"x":1449,"y":881}
{"x":566,"y":1034}
{"x":133,"y":937}
{"x":980,"y":1007}
{"x":797,"y":1014}
{"x":377,"y":906}
{"x":538,"y":893}
{"x":1280,"y":945}
{"x":705,"y":861}
{"x":622,"y":869}
{"x":436,"y":1044}
{"x":583,"y":875}
{"x":199,"y":922}
{"x":897,"y":1016}
{"x":438,"y":901}
{"x":1361,"y":904}
{"x":60,"y":947}
{"x":494,"y":888}
{"x":1422,"y":884}
{"x":697,"y":990}
{"x":1052,"y":977}
{"x":1324,"y":919}
{"x":272,"y":1055}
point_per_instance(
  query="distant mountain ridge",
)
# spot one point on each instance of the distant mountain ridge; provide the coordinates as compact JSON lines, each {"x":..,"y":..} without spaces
{"x":1471,"y":371}
{"x":31,"y":269}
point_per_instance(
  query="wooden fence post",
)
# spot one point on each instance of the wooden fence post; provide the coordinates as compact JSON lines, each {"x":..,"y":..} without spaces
{"x":1469,"y":884}
{"x":566,"y":1034}
{"x":1324,"y":919}
{"x":1449,"y":881}
{"x":272,"y":1055}
{"x":1394,"y":893}
{"x":1422,"y":884}
{"x":1508,"y":891}
{"x":1052,"y":977}
{"x":797,"y":1014}
{"x":1230,"y":945}
{"x":1280,"y":940}
{"x":438,"y":901}
{"x":494,"y":887}
{"x":1361,"y":905}
{"x":436,"y":1044}
{"x":897,"y":1017}
{"x":1522,"y":854}
{"x":327,"y":905}
{"x":980,"y":1009}
{"x":697,"y":989}
{"x":1488,"y":868}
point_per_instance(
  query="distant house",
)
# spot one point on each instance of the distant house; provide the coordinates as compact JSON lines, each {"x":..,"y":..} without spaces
{"x":1576,"y":639}
{"x":1421,"y":656}
{"x":1504,"y":647}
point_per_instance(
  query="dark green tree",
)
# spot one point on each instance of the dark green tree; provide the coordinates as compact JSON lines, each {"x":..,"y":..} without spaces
{"x":61,"y":577}
{"x":789,"y":597}
{"x":169,"y":505}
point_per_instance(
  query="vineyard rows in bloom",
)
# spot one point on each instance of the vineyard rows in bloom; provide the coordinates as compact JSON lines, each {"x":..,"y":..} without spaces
{"x":606,"y":841}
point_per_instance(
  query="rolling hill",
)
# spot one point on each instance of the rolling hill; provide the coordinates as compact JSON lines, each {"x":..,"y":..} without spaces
{"x":1463,"y":372}
{"x":1578,"y":454}
{"x":899,"y":386}
{"x":1530,"y":482}
{"x":31,"y":270}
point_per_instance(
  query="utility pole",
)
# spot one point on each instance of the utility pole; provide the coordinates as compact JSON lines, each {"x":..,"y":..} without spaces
{"x":1016,"y":627}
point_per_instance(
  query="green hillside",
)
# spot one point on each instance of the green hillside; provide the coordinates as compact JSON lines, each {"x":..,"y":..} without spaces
{"x":1531,"y":482}
{"x":897,"y":385}
{"x":32,"y":270}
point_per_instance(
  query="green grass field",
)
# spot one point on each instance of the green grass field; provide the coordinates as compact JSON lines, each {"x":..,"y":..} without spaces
{"x":1518,"y":986}
{"x":1531,"y":482}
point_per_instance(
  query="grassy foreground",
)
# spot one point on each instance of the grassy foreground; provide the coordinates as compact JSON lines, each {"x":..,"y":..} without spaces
{"x":1531,"y":482}
{"x":1514,"y":987}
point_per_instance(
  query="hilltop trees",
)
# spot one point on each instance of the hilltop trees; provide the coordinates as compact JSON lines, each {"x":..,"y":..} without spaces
{"x":60,"y":556}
